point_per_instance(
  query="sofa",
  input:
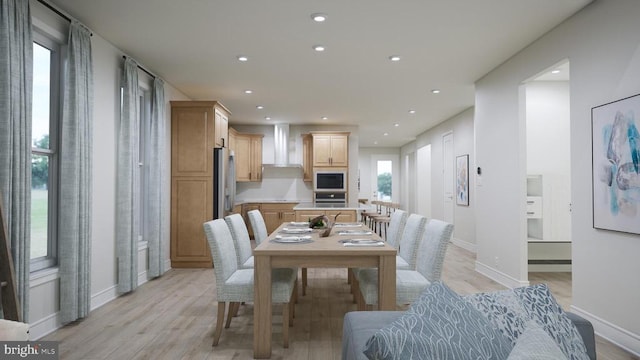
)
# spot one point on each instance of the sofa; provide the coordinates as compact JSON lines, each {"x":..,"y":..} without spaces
{"x":509,"y":325}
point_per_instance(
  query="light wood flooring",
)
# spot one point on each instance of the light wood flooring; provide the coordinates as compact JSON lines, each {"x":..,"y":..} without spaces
{"x":174,"y":317}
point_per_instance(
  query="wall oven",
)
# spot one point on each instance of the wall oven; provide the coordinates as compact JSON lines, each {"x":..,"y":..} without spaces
{"x":330,"y":181}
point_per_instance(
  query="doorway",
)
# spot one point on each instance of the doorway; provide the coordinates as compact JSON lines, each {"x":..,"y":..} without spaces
{"x":423,"y":181}
{"x":448,"y":178}
{"x":548,"y":139}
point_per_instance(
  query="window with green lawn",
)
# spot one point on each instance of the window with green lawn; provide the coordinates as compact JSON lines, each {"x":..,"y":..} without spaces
{"x":44,"y":156}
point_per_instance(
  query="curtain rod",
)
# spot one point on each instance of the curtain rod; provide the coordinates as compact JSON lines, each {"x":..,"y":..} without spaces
{"x":142,"y":68}
{"x":58,"y":12}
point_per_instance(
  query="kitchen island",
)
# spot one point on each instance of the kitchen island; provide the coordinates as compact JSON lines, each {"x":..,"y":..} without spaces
{"x":346,"y":212}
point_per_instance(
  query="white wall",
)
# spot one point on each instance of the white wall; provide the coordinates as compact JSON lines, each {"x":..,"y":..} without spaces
{"x":603,"y":44}
{"x":462,"y":128}
{"x":107,"y":63}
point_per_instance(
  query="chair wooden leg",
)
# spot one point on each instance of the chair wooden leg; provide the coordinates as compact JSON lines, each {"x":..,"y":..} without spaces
{"x":285,"y":325}
{"x":233,"y":308}
{"x":304,"y":281}
{"x":292,"y":309}
{"x":219,"y":322}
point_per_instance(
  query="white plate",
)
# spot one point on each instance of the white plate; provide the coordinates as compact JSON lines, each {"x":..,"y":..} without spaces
{"x":348,"y":224}
{"x":299,"y":223}
{"x":355,"y":232}
{"x":296,"y":230}
{"x":363,"y":242}
{"x":292,"y":239}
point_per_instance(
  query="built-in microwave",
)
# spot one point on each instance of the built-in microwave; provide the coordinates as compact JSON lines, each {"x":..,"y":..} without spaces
{"x":330,"y":180}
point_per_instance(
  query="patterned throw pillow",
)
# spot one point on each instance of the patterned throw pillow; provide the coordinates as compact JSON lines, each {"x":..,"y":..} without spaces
{"x":439,"y":325}
{"x":535,"y":344}
{"x":510,"y":311}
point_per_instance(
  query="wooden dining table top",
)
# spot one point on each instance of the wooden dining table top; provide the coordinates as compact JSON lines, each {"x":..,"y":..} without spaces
{"x":330,"y":245}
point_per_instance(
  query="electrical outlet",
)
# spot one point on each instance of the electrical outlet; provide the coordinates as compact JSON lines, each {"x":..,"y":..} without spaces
{"x":496,"y":261}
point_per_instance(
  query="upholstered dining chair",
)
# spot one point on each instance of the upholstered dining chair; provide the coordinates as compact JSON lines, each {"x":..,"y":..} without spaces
{"x":241,"y":240}
{"x":411,"y":283}
{"x":260,"y":234}
{"x":408,"y":243}
{"x":406,"y":232}
{"x":397,"y":222}
{"x":257,"y":225}
{"x":235,"y":285}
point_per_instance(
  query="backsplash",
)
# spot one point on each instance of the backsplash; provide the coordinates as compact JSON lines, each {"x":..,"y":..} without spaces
{"x":276,"y":184}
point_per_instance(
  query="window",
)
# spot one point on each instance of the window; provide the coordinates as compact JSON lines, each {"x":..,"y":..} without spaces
{"x":143,"y":163}
{"x":44,"y":151}
{"x":384,"y":179}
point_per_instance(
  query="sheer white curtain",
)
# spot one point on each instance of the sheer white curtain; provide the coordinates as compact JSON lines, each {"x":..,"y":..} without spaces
{"x":16,"y":81}
{"x":156,"y":201}
{"x":128,"y":182}
{"x":74,"y":215}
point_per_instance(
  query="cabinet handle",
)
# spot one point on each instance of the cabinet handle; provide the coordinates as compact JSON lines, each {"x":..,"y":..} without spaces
{"x":530,"y":202}
{"x":530,"y":212}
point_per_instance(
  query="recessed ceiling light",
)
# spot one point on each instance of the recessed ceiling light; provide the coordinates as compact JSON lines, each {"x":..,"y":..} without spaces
{"x":435,"y":91}
{"x":259,"y":107}
{"x":324,"y":118}
{"x":267,"y":118}
{"x":412,"y":112}
{"x":248,"y":91}
{"x":394,"y":58}
{"x":375,"y":142}
{"x":242,"y":58}
{"x":319,"y":17}
{"x":318,"y":48}
{"x":386,"y":134}
{"x":555,"y":72}
{"x":396,"y":124}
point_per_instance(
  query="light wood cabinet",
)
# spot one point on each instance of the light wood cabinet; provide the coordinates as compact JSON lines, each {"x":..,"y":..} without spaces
{"x":345,"y":215}
{"x":248,"y":156}
{"x":275,"y":214}
{"x":246,"y":207}
{"x":222,"y":127}
{"x":330,"y":149}
{"x":195,"y":131}
{"x":307,"y":158}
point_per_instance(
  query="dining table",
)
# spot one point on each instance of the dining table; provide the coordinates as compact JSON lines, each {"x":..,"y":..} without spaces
{"x":294,"y":245}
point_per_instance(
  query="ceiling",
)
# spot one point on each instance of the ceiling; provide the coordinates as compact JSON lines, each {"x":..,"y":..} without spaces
{"x":444,"y":45}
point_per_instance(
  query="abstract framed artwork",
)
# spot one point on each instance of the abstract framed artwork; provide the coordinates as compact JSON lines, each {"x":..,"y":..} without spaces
{"x":462,"y":180}
{"x":616,"y":163}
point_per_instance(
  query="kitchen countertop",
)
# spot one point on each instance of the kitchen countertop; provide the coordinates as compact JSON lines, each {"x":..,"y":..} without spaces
{"x":323,"y":206}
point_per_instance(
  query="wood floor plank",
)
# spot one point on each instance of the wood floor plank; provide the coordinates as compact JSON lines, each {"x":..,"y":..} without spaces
{"x":173,"y":317}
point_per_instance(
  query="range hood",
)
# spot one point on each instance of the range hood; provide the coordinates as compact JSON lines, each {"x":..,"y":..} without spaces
{"x":281,"y":147}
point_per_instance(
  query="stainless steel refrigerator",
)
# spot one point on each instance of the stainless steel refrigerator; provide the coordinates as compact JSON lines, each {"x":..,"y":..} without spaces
{"x":224,"y":182}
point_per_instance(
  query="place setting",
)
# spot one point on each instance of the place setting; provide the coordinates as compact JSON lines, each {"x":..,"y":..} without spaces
{"x":355,"y":232}
{"x":361,"y":242}
{"x":282,"y":239}
{"x":296,"y":230}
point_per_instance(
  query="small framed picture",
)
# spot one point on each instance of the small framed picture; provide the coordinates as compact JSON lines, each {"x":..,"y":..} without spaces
{"x":462,"y":180}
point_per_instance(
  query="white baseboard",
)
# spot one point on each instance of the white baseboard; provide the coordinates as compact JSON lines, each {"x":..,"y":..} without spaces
{"x":167,"y":264}
{"x":142,"y":278}
{"x":549,"y":267}
{"x":499,"y":276}
{"x":44,"y":326}
{"x":613,"y":333}
{"x":465,"y":245}
{"x":103,"y":297}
